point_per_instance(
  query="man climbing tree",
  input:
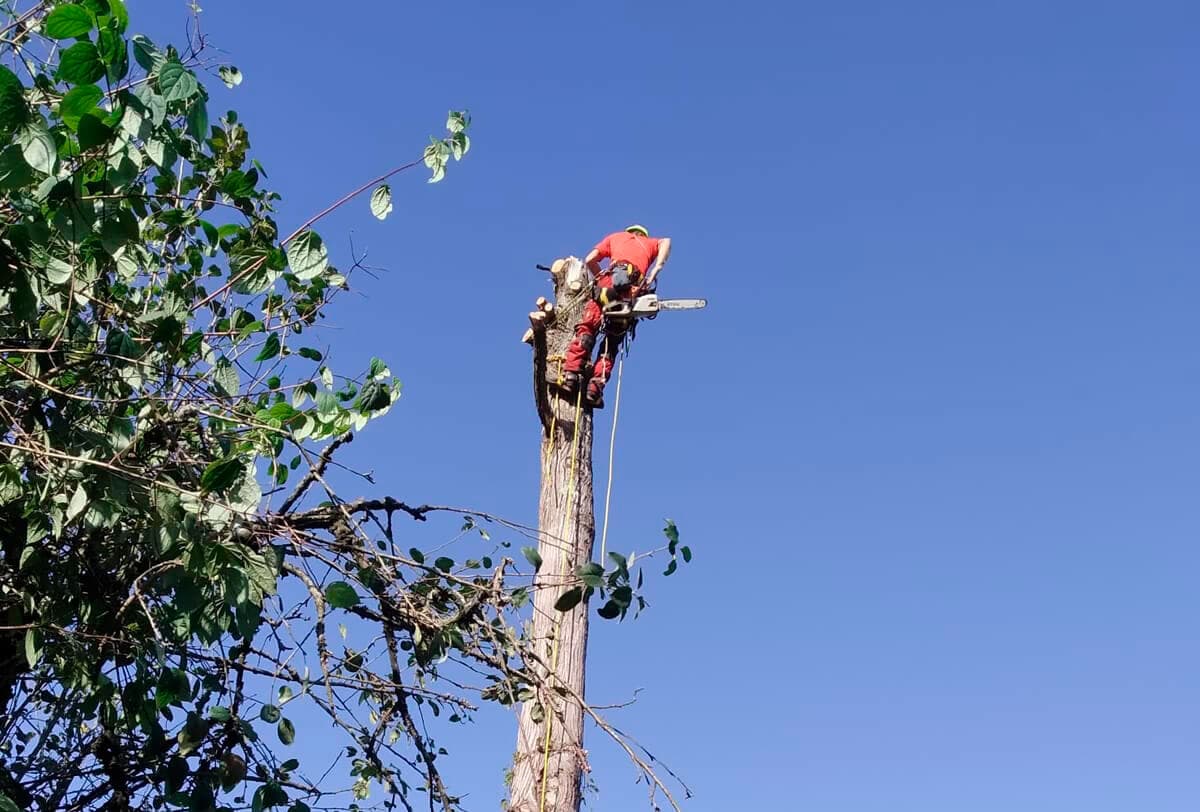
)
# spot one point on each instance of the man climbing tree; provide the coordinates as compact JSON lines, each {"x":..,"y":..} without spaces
{"x":629,"y":253}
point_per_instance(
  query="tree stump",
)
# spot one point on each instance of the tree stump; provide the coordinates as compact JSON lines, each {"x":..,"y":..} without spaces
{"x":550,"y":759}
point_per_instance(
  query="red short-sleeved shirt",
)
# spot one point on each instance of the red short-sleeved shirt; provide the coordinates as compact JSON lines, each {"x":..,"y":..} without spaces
{"x":624,"y":246}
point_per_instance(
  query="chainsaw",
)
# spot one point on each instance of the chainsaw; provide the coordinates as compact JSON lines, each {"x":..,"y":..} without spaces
{"x":648,"y":305}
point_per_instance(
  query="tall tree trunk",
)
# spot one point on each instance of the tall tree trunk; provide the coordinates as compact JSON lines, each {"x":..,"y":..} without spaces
{"x":550,"y":759}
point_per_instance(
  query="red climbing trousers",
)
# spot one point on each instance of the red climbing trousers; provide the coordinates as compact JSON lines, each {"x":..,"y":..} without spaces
{"x":579,"y":351}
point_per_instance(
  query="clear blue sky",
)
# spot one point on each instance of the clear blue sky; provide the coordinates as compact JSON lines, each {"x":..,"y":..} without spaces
{"x":934,"y":442}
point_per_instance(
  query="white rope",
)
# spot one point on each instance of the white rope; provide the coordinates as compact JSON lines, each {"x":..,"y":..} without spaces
{"x":612,"y":444}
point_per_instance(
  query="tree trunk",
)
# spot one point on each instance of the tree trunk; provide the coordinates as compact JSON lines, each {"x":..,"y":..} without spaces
{"x":550,"y":759}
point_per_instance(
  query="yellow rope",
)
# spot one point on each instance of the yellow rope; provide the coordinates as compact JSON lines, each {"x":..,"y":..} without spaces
{"x":612,"y":444}
{"x":562,"y":576}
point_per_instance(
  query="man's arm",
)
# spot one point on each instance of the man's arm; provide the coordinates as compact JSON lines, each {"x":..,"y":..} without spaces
{"x":660,"y":259}
{"x":592,"y":261}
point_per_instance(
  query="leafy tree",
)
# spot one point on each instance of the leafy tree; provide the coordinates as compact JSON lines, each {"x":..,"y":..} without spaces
{"x":160,"y":612}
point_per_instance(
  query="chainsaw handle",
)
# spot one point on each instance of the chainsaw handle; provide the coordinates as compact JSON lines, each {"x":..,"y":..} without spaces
{"x":618,"y":310}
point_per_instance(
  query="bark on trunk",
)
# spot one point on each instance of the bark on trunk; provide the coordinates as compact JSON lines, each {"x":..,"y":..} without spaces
{"x":550,"y":759}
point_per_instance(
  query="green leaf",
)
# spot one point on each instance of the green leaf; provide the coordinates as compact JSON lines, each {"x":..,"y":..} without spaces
{"x":78,"y":102}
{"x":457,"y":121}
{"x":270,"y":348}
{"x":435,"y":159}
{"x":147,"y":103}
{"x":569,"y":599}
{"x":80,"y":64}
{"x":220,"y":713}
{"x":7,"y":805}
{"x":280,"y":411}
{"x":286,"y":731}
{"x":533,"y":557}
{"x":93,"y":132}
{"x":68,"y":21}
{"x":58,"y":271}
{"x":225,"y":377}
{"x":175,"y":82}
{"x":326,"y":403}
{"x":37,"y":146}
{"x":381,"y":201}
{"x":374,"y":396}
{"x":13,"y":110}
{"x":591,"y":574}
{"x":146,"y":54}
{"x":416,"y":555}
{"x":687,"y":554}
{"x":307,"y":255}
{"x":674,"y":565}
{"x":609,"y":610}
{"x":14,"y":172}
{"x":197,"y":120}
{"x":672,"y":534}
{"x":341,"y":595}
{"x":237,"y":184}
{"x":161,"y":152}
{"x":269,"y":714}
{"x":221,"y":474}
{"x":112,"y":47}
{"x":230,"y":75}
{"x":11,"y":486}
{"x":173,"y":687}
{"x":309,"y":353}
{"x":444,"y":564}
{"x":120,"y":14}
{"x":78,"y":503}
{"x":33,"y":647}
{"x":119,"y":344}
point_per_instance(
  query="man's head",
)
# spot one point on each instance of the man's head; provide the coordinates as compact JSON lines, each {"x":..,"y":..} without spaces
{"x":637,"y":229}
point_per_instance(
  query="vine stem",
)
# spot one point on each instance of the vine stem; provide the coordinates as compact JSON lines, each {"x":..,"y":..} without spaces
{"x":233,"y":280}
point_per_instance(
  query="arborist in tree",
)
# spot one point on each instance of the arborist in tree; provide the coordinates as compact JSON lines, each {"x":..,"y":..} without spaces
{"x":628,"y":274}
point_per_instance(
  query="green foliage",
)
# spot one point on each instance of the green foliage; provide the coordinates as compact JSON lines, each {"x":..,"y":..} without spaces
{"x":307,"y":256}
{"x":151,"y":321}
{"x":456,"y":144}
{"x":533,"y":557}
{"x":619,"y":585}
{"x":68,"y":21}
{"x":341,"y":595}
{"x":381,"y":201}
{"x":174,"y":559}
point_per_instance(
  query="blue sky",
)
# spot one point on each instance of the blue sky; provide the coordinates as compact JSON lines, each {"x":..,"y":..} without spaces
{"x":935,"y":440}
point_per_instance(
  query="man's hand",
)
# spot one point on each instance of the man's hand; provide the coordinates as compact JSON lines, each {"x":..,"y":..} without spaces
{"x":660,"y":259}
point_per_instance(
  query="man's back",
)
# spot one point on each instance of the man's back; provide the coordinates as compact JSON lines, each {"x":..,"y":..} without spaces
{"x":624,"y":246}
